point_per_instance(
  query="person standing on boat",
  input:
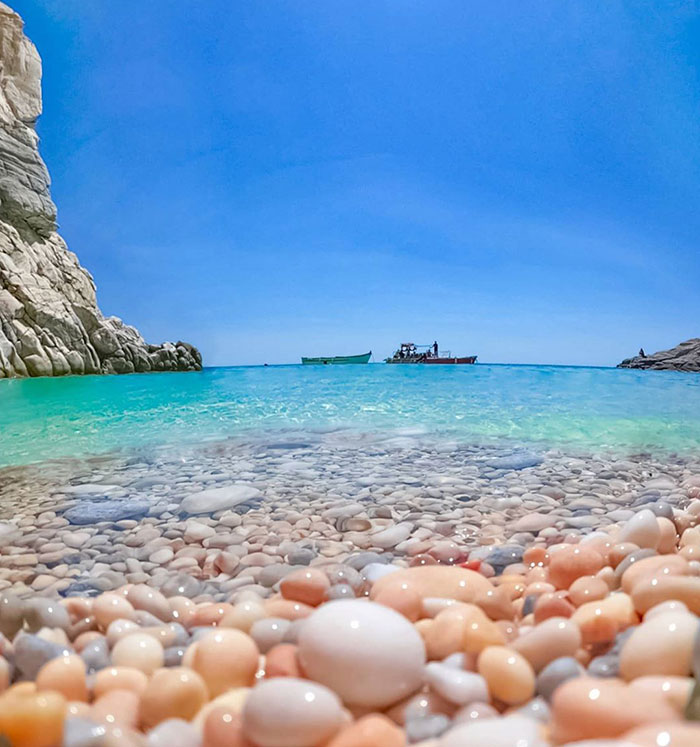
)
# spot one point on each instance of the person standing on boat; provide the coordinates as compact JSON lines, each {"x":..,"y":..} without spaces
{"x":435,"y":349}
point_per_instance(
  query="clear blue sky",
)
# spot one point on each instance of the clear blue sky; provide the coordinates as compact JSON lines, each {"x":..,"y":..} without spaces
{"x":274,"y":178}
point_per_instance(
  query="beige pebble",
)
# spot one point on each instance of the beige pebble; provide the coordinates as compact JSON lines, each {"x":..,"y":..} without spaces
{"x":599,"y":708}
{"x":652,"y":591}
{"x":450,"y":582}
{"x":117,"y":707}
{"x":143,"y":597}
{"x":140,"y":651}
{"x":226,"y":658}
{"x":656,"y":566}
{"x":177,"y":692}
{"x":664,"y":735}
{"x":551,"y":639}
{"x":588,"y":589}
{"x":675,"y":689}
{"x":285,"y":711}
{"x":66,"y":675}
{"x":110,"y":607}
{"x":307,"y":585}
{"x":509,"y":675}
{"x":660,"y":646}
{"x":119,"y":678}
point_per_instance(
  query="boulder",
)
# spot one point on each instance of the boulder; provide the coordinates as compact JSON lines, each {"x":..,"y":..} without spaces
{"x":684,"y":357}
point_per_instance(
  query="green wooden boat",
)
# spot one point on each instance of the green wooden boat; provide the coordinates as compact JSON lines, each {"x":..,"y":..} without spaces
{"x":337,"y":359}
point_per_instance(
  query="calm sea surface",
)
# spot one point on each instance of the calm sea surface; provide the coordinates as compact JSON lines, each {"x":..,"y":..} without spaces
{"x":543,"y":406}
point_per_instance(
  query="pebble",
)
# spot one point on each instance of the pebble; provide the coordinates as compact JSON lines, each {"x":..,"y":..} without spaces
{"x":140,"y":651}
{"x":225,"y":659}
{"x":662,"y":645}
{"x":552,"y":639}
{"x":591,"y":708}
{"x":512,"y":731}
{"x":456,"y":685}
{"x":642,"y":529}
{"x":509,"y":676}
{"x":368,"y":654}
{"x":173,"y":693}
{"x":290,"y":712}
{"x":555,"y":673}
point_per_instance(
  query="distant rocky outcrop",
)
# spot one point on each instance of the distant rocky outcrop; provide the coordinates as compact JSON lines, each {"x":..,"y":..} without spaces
{"x":684,"y":357}
{"x":50,"y":323}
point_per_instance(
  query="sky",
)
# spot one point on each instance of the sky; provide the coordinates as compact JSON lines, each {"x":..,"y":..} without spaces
{"x":518,"y":180}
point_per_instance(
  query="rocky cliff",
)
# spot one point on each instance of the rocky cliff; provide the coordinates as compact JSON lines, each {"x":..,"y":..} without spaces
{"x":50,"y":323}
{"x":684,"y":357}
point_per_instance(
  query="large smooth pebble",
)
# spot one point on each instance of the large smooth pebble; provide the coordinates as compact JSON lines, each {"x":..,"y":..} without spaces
{"x":571,"y":562}
{"x":509,"y":675}
{"x":664,"y":735}
{"x":110,"y":607}
{"x":29,"y":719}
{"x":642,"y":529}
{"x":551,"y":639}
{"x":226,"y":658}
{"x":655,"y":566}
{"x":448,"y":582}
{"x":307,"y":585}
{"x":150,"y":600}
{"x":676,"y":690}
{"x":391,"y":536}
{"x":289,"y":712}
{"x":511,"y":731}
{"x":596,"y":708}
{"x":368,"y":654}
{"x":662,"y":645}
{"x":373,"y":730}
{"x":178,"y":692}
{"x":140,"y":651}
{"x":119,"y":678}
{"x":456,"y":685}
{"x":652,"y":591}
{"x":66,"y":675}
{"x":174,"y":732}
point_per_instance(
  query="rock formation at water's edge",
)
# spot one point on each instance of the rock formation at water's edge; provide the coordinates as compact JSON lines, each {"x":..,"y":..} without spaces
{"x":684,"y":357}
{"x":50,"y":324}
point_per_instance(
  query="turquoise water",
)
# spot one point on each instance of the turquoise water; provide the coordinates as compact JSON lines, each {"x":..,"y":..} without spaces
{"x":590,"y":408}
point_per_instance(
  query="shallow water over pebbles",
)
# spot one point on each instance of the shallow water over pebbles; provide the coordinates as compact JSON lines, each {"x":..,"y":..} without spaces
{"x":561,"y":407}
{"x":244,"y":511}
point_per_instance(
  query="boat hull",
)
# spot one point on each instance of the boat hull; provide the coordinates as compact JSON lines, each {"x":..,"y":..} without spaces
{"x":458,"y":361}
{"x":465,"y":360}
{"x":336,"y":360}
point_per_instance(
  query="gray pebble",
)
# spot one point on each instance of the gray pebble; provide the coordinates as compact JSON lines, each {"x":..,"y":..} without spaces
{"x":604,"y":666}
{"x":427,"y":727}
{"x":80,"y":732}
{"x":45,"y":613}
{"x":96,"y":655}
{"x":32,"y":652}
{"x":555,"y":673}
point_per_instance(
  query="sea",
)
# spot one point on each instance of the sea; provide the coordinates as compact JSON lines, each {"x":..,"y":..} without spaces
{"x":578,"y":409}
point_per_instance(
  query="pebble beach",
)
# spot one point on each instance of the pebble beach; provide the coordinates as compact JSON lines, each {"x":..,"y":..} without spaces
{"x":331,"y":588}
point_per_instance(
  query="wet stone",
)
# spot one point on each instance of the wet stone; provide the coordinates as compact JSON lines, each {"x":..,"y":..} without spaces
{"x":32,"y":652}
{"x":427,"y":727}
{"x":96,"y":655}
{"x":93,"y":512}
{"x":605,"y":666}
{"x":503,"y":556}
{"x":555,"y":673}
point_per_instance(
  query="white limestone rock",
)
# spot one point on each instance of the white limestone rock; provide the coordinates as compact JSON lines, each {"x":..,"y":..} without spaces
{"x":50,"y":324}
